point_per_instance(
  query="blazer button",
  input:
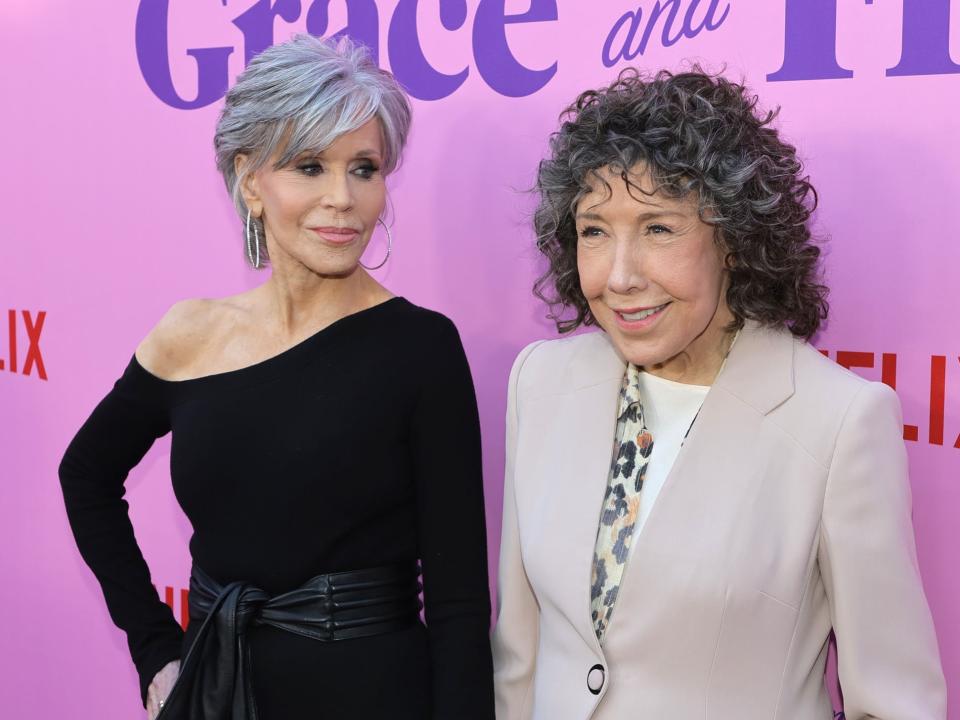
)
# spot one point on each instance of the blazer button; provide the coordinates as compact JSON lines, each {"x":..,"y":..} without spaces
{"x":595,"y":679}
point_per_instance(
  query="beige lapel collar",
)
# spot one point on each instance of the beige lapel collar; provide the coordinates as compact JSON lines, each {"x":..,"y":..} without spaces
{"x":757,"y":377}
{"x":759,"y":370}
{"x":587,"y":413}
{"x":595,"y":361}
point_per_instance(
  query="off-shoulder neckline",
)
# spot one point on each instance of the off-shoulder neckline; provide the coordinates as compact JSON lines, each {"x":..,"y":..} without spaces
{"x":280,"y":359}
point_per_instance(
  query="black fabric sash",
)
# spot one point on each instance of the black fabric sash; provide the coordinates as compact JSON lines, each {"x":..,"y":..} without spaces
{"x":214,"y":681}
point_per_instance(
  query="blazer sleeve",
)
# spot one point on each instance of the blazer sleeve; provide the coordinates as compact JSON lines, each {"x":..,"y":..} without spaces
{"x":92,"y":473}
{"x":517,"y":630}
{"x":887,"y":651}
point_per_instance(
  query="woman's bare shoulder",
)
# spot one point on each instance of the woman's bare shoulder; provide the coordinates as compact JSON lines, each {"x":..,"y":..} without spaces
{"x":186,"y":333}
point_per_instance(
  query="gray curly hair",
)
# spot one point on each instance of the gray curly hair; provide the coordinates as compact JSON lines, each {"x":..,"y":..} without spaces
{"x":695,"y":133}
{"x":300,"y":96}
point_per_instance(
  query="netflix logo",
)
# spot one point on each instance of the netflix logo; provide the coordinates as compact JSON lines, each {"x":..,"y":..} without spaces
{"x":178,"y":599}
{"x":23,"y":358}
{"x":935,"y":434}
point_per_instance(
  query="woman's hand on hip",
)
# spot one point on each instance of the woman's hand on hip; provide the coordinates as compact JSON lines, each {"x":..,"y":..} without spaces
{"x":160,"y":687}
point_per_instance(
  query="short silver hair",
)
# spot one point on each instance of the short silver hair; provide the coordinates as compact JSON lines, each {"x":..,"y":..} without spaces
{"x":300,"y":96}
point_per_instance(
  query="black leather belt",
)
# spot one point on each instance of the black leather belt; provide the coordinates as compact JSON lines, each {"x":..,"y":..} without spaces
{"x":214,"y":680}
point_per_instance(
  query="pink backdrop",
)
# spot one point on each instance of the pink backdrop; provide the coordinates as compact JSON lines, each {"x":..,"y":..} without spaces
{"x":113,"y":210}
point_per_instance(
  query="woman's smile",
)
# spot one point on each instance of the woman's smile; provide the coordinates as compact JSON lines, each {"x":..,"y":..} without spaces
{"x":636,"y":319}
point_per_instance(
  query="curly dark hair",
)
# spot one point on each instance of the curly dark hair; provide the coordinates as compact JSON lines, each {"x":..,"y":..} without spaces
{"x":694,"y":132}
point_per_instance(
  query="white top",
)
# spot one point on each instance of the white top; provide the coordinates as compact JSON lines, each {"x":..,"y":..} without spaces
{"x":668,"y":410}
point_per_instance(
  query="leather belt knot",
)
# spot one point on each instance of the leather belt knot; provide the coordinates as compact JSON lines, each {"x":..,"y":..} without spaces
{"x":214,"y":681}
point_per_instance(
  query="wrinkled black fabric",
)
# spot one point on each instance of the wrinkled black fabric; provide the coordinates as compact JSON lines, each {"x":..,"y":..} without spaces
{"x":214,"y":681}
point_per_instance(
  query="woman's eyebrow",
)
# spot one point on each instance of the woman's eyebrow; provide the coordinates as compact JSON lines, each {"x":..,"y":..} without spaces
{"x":590,"y":216}
{"x":640,"y":216}
{"x":658,"y":213}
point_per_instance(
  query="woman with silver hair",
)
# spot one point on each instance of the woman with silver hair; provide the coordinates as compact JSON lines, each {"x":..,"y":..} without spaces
{"x":325,"y":440}
{"x":757,"y":496}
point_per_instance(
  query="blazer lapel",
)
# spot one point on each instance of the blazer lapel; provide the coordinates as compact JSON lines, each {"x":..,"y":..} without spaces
{"x":759,"y":370}
{"x":712,"y":470}
{"x":577,"y":425}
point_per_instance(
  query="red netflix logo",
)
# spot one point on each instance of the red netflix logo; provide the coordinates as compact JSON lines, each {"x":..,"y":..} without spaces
{"x":32,"y":360}
{"x":888,"y":375}
{"x":183,"y":595}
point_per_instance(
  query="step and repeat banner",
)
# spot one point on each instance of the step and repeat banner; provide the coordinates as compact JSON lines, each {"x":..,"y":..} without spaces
{"x":112,"y":210}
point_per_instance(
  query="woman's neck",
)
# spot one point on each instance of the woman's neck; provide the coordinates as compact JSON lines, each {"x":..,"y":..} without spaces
{"x":301,"y":302}
{"x":700,"y":362}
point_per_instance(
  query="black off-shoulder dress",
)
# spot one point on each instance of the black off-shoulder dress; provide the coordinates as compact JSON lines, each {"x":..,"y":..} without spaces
{"x":357,"y":448}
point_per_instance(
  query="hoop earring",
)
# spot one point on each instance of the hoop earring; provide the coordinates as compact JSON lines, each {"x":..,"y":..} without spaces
{"x":253,"y":258}
{"x":389,"y":248}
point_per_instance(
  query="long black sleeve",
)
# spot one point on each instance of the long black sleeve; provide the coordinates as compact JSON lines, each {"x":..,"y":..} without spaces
{"x":452,"y":533}
{"x":92,"y":473}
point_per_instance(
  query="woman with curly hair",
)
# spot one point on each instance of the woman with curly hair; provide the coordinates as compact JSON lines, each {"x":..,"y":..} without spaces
{"x":757,"y":498}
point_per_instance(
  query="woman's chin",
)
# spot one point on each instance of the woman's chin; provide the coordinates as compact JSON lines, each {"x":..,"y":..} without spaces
{"x":641,"y":352}
{"x":332,"y":267}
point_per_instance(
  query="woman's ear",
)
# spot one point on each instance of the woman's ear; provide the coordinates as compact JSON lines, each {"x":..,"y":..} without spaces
{"x":248,"y":185}
{"x":726,"y":256}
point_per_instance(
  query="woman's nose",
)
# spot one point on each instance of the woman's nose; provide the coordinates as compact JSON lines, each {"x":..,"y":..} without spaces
{"x":338,"y":195}
{"x":626,"y":270}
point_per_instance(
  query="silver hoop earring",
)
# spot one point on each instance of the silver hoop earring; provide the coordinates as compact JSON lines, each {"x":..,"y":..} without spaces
{"x":253,"y":256}
{"x":389,"y":248}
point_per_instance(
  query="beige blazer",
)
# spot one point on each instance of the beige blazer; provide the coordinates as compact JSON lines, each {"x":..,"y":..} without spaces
{"x":786,"y":514}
